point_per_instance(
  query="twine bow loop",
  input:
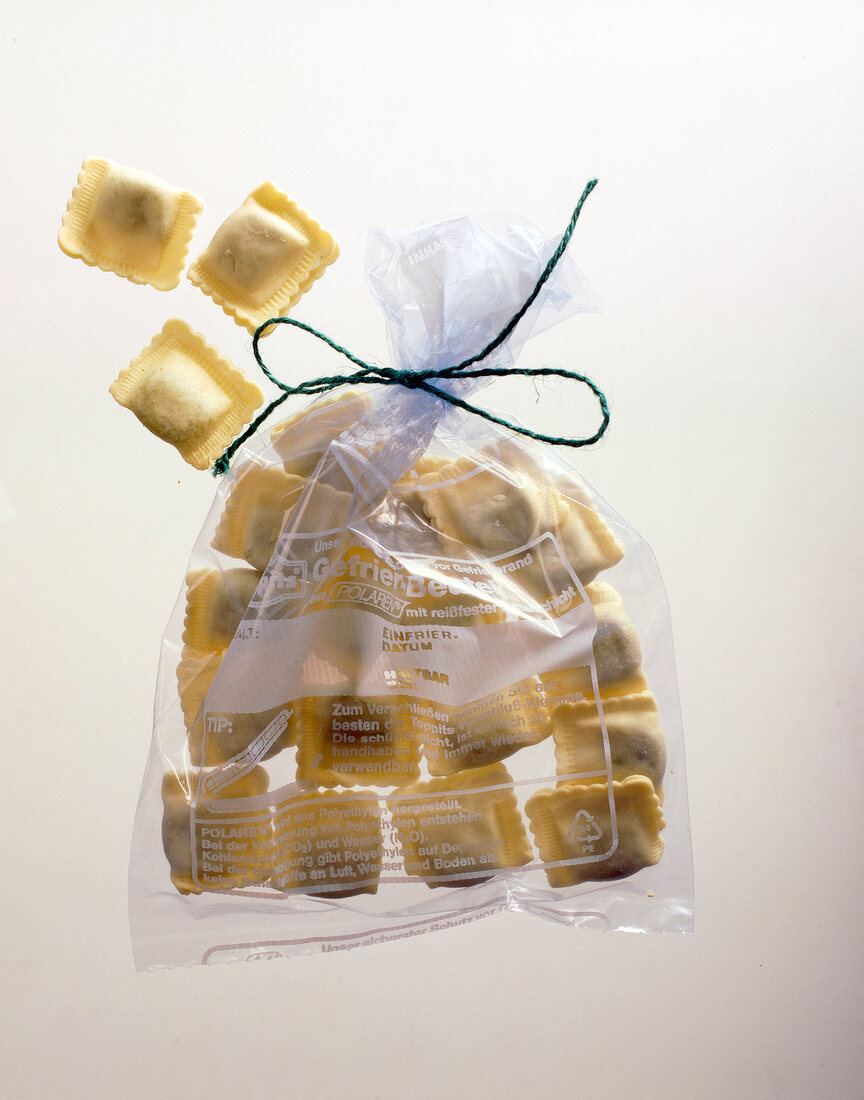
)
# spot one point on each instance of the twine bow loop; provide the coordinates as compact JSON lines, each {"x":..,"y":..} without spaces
{"x":422,"y":379}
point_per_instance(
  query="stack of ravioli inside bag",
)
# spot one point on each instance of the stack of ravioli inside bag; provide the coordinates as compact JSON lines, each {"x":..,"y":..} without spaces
{"x":409,"y":678}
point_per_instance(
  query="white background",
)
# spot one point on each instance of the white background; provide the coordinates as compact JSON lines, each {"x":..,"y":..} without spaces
{"x":725,"y":240}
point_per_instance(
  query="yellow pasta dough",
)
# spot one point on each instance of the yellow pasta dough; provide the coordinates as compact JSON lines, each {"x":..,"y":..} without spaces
{"x":484,"y":731}
{"x":459,"y":830}
{"x":216,"y":602}
{"x":226,"y":735}
{"x":195,"y":673}
{"x":301,"y":440}
{"x":584,"y":543}
{"x":345,"y":740}
{"x":410,"y":487}
{"x":325,"y":509}
{"x":574,"y":822}
{"x":490,"y":508}
{"x":187,"y":826}
{"x":581,"y":543}
{"x":520,"y":454}
{"x":573,"y":685}
{"x":129,"y":222}
{"x":617,"y":654}
{"x":183,"y":391}
{"x":618,"y":664}
{"x":636,"y":742}
{"x":328,"y":843}
{"x":263,"y":258}
{"x":240,"y":737}
{"x":617,"y":648}
{"x":588,"y":544}
{"x":258,"y":501}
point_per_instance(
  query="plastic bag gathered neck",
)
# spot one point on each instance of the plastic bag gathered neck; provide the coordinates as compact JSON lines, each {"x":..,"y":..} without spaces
{"x":448,"y":288}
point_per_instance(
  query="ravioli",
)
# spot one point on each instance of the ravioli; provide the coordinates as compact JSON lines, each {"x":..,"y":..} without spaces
{"x":226,"y":735}
{"x":617,"y":648}
{"x":186,"y":393}
{"x":255,"y":509}
{"x":188,"y":827}
{"x":492,"y":509}
{"x":328,"y":843}
{"x":216,"y":602}
{"x":410,"y":488}
{"x":617,"y":653}
{"x":347,"y":740}
{"x":263,"y":258}
{"x":636,"y":742}
{"x":581,"y":546}
{"x":462,"y":829}
{"x":195,"y":674}
{"x":573,"y":827}
{"x":484,"y":731}
{"x":302,"y":440}
{"x":130,"y":223}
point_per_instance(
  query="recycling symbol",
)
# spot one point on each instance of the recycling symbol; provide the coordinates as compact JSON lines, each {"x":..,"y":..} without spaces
{"x":584,"y":829}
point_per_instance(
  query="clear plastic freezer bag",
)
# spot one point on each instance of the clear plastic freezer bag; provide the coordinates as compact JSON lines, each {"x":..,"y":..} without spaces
{"x":419,"y":671}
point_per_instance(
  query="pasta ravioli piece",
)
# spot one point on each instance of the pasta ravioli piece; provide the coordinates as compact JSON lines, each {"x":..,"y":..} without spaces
{"x":581,"y":544}
{"x":617,"y":654}
{"x":263,"y":258}
{"x":490,"y":509}
{"x":587,"y":542}
{"x":541,"y":464}
{"x":574,"y":685}
{"x":325,"y":509}
{"x":574,"y":822}
{"x":636,"y":743}
{"x":345,"y":740}
{"x":183,"y":391}
{"x":195,"y":673}
{"x":216,"y":602}
{"x":617,"y":649}
{"x":255,"y":510}
{"x":302,"y":439}
{"x":462,"y":829}
{"x":618,"y":657}
{"x":215,"y":867}
{"x":328,"y":843}
{"x":130,"y":223}
{"x":482,"y":732}
{"x":226,"y":735}
{"x":238,"y":737}
{"x":410,"y":487}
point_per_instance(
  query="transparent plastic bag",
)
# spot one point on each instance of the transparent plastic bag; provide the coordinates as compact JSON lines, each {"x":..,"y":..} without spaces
{"x":419,"y":671}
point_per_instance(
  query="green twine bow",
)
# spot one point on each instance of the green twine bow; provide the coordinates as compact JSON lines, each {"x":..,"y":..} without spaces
{"x":420,"y":379}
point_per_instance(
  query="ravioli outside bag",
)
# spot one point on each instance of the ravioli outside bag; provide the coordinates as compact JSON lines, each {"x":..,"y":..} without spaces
{"x":418,"y":671}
